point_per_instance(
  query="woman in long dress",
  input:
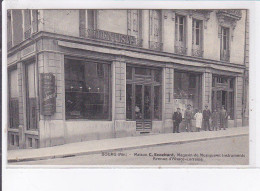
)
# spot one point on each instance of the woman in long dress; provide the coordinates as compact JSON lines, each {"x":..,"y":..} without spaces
{"x":198,"y":117}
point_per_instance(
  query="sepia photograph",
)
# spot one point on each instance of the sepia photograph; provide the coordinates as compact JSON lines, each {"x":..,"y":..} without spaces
{"x":127,"y":87}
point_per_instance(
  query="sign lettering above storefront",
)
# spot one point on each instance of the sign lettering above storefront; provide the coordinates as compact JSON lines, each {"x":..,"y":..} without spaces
{"x":113,"y":37}
{"x":48,"y":94}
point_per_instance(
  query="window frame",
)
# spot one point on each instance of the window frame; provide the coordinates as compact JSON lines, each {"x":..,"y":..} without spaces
{"x":153,"y":84}
{"x":110,"y":75}
{"x":194,"y":32}
{"x":9,"y":97}
{"x":177,"y":29}
{"x":225,"y":46}
{"x":151,"y":26}
{"x":33,"y":22}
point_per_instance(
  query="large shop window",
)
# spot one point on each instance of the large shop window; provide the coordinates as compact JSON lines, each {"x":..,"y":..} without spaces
{"x":13,"y":99}
{"x":187,"y":90}
{"x":143,"y":93}
{"x":88,"y":90}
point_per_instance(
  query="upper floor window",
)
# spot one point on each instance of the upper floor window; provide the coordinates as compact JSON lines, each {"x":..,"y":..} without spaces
{"x":180,"y":34}
{"x":196,"y":32}
{"x":30,"y":22}
{"x":224,"y":44}
{"x":197,"y":38}
{"x":155,"y":30}
{"x":92,"y":19}
{"x":134,"y":23}
{"x":180,"y":28}
{"x":9,"y":30}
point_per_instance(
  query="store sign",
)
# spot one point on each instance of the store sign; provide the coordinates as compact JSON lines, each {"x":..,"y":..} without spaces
{"x":48,"y":94}
{"x":113,"y":37}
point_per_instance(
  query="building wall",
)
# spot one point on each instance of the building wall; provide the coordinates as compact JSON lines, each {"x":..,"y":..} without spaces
{"x":67,"y":22}
{"x":112,"y":20}
{"x":60,"y":21}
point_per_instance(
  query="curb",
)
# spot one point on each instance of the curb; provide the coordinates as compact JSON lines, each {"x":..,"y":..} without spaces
{"x":118,"y":149}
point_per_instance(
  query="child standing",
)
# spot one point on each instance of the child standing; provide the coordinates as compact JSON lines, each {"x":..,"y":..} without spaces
{"x":198,"y":117}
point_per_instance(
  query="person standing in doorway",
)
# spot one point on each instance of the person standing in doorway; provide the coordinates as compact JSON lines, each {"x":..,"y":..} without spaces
{"x":223,"y":118}
{"x":198,"y":117}
{"x":215,"y":120}
{"x":177,"y":118}
{"x":188,"y":117}
{"x":206,"y":117}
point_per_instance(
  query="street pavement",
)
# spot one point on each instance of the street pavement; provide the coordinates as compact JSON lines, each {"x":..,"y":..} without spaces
{"x":126,"y":143}
{"x":223,"y":151}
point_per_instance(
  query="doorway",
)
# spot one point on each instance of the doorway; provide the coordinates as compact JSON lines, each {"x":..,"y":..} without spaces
{"x":143,"y":107}
{"x":143,"y":96}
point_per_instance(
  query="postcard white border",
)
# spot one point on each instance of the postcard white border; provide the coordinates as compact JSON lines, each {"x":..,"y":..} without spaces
{"x":175,"y":177}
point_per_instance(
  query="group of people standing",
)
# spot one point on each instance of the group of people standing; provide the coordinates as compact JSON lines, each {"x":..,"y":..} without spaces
{"x":218,"y":119}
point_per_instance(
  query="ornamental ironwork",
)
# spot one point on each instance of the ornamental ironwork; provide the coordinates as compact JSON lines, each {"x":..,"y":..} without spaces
{"x":232,"y":13}
{"x":27,"y":34}
{"x":197,"y":52}
{"x":180,"y":50}
{"x":111,"y":37}
{"x":225,"y":55}
{"x":155,"y":45}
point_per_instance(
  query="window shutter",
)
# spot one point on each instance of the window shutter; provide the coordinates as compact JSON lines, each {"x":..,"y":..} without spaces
{"x":82,"y":23}
{"x":129,"y":22}
{"x":34,"y":21}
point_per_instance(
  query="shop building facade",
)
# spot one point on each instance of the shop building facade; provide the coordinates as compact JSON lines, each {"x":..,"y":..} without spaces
{"x":78,"y":75}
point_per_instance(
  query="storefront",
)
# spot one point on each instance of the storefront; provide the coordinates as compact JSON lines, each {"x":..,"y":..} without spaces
{"x":77,"y":92}
{"x":187,"y":90}
{"x":223,"y":94}
{"x":143,"y":96}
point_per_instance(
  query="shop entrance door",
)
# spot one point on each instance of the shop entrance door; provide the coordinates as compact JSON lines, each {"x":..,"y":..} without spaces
{"x":219,"y":99}
{"x":143,"y":107}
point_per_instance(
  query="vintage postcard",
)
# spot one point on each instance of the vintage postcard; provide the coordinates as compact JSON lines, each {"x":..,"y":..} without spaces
{"x":127,"y":87}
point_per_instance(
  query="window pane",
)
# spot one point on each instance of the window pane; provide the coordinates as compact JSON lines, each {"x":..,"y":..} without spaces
{"x":231,"y":101}
{"x":13,"y":84}
{"x":27,"y":20}
{"x":181,"y":20}
{"x":129,"y":72}
{"x":138,"y":102}
{"x":181,"y":33}
{"x":192,"y":81}
{"x":157,"y":102}
{"x":157,"y":76}
{"x":31,"y":80}
{"x":13,"y":101}
{"x":143,"y":71}
{"x":129,"y":101}
{"x":147,"y":102}
{"x":197,"y":36}
{"x":87,"y":90}
{"x":31,"y":96}
{"x":91,"y":19}
{"x":135,"y":20}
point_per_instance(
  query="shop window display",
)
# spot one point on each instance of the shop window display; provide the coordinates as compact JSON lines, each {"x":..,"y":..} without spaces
{"x":88,"y":88}
{"x":187,"y":90}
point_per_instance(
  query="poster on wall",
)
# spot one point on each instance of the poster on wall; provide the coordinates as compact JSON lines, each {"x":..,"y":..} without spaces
{"x":48,"y":94}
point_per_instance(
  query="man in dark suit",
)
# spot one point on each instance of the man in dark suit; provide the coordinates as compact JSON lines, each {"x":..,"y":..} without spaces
{"x":206,"y":117}
{"x":177,"y":118}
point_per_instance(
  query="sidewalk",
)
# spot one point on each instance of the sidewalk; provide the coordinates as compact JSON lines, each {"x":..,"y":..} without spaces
{"x":96,"y":146}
